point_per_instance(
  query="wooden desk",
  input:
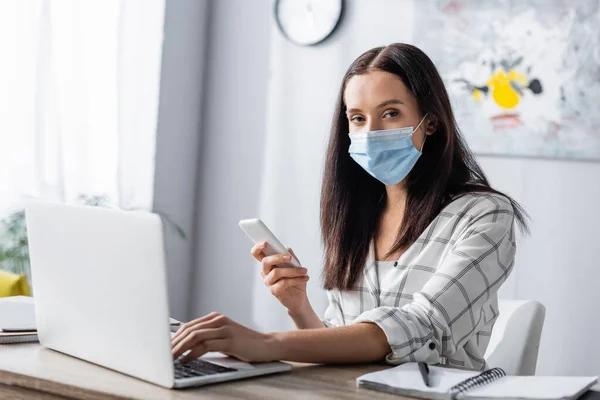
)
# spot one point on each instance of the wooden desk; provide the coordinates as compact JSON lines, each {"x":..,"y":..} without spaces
{"x":29,"y":371}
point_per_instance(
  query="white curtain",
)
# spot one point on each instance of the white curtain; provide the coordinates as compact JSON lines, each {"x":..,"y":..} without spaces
{"x":79,"y":84}
{"x":302,"y":91}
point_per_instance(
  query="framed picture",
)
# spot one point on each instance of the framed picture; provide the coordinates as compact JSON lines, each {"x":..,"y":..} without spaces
{"x":523,"y":76}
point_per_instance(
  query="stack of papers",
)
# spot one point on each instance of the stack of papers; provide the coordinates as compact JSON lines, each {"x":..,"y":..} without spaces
{"x":17,"y":320}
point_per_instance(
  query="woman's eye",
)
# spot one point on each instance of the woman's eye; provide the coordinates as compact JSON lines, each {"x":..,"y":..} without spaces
{"x":357,"y":119}
{"x":391,"y":114}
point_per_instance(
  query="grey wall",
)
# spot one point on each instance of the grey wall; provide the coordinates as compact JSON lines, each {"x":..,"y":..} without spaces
{"x":178,"y":138}
{"x":231,"y":155}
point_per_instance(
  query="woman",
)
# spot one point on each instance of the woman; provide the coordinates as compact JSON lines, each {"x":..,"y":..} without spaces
{"x":417,"y":243}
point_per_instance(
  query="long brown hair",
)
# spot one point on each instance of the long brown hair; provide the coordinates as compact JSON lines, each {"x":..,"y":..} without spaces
{"x":351,"y":199}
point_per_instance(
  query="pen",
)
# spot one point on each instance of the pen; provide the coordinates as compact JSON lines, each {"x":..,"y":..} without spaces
{"x":424,"y":373}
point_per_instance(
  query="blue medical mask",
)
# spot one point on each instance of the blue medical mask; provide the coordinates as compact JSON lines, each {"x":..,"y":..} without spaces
{"x":388,"y":155}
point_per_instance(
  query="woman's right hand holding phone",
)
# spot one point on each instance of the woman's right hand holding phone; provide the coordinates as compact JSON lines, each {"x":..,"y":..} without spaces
{"x":288,"y":285}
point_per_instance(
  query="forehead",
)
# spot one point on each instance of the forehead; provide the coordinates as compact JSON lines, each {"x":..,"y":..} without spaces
{"x":373,"y":88}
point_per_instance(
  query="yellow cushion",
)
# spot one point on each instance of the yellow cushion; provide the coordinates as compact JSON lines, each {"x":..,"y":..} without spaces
{"x":13,"y":285}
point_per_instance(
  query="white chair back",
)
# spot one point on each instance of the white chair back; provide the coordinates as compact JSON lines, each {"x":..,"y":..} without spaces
{"x":515,"y":339}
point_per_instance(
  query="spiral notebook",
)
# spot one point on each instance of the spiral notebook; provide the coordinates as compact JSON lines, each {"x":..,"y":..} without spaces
{"x":448,"y":384}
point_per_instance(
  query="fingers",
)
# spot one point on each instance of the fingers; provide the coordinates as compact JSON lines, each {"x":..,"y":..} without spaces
{"x":211,"y":320}
{"x":281,"y":273}
{"x":184,"y":329}
{"x":257,"y":251}
{"x":208,"y":345}
{"x":269,"y":262}
{"x":197,"y":339}
{"x":278,"y":288}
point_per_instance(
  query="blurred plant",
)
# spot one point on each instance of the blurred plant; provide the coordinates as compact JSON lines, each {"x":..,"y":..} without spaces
{"x":95,"y":200}
{"x":14,"y":252}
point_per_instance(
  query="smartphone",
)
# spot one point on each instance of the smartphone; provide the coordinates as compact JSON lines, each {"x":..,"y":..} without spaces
{"x":258,"y":232}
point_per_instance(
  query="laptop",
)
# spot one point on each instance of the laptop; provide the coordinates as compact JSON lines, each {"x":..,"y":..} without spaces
{"x":100,"y":290}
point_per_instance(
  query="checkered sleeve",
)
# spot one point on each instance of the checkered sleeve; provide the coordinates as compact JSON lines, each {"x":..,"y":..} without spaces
{"x":453,"y":305}
{"x":334,"y":316}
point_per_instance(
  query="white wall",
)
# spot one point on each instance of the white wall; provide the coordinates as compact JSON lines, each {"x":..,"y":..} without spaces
{"x":556,"y":265}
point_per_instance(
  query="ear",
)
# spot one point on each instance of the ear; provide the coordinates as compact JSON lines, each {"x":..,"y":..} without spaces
{"x":431,"y":124}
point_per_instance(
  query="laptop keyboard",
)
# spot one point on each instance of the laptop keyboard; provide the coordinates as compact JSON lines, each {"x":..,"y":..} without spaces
{"x":198,"y":367}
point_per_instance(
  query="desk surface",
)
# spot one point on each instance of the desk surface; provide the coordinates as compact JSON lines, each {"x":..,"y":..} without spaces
{"x":28,"y":371}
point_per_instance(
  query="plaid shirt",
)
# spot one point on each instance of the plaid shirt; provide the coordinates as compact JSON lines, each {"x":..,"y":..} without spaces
{"x":439,"y":303}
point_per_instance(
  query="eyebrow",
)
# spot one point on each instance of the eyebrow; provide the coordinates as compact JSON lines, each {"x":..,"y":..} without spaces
{"x":385,"y":103}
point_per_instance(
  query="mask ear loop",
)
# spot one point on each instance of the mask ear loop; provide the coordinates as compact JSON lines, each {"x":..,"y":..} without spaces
{"x":425,"y":138}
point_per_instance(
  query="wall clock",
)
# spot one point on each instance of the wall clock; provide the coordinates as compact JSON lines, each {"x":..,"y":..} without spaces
{"x":308,"y":22}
